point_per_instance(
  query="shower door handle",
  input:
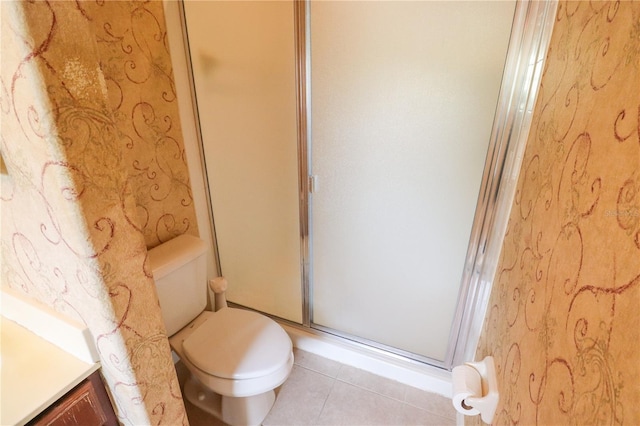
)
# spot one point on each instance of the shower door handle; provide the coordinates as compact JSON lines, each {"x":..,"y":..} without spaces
{"x":313,"y":184}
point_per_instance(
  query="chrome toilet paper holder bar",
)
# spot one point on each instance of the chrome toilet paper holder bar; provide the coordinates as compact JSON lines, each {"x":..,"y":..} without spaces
{"x":486,"y":404}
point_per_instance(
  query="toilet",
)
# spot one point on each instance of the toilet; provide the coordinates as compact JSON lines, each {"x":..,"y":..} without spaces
{"x":236,"y":357}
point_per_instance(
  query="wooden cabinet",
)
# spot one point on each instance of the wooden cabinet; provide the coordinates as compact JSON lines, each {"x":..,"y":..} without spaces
{"x":85,"y":405}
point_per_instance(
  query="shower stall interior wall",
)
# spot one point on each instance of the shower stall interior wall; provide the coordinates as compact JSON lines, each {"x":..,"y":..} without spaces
{"x":402,"y":97}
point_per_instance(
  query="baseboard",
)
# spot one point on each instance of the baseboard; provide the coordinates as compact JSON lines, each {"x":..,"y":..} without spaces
{"x":418,"y":375}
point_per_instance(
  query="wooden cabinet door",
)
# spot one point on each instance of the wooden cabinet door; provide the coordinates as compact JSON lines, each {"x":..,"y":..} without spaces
{"x":87,"y":404}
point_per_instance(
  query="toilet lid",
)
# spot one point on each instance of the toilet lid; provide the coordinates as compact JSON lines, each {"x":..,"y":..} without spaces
{"x":238,"y":344}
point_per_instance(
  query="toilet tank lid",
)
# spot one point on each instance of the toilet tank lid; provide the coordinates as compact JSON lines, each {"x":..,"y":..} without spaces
{"x":169,"y":256}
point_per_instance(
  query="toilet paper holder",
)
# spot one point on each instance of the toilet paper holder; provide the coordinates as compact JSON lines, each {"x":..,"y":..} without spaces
{"x":479,"y":397}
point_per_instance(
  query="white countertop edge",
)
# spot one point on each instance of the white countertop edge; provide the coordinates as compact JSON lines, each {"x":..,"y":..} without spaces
{"x":67,"y":334}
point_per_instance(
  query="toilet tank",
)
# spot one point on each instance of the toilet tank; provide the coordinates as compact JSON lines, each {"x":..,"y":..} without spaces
{"x":180,"y":271}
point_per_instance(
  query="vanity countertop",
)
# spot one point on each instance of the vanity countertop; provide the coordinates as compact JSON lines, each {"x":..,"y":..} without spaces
{"x":34,"y":373}
{"x":43,"y":355}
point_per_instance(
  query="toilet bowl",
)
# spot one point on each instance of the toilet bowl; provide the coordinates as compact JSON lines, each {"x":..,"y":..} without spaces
{"x":237,"y":354}
{"x":236,"y":357}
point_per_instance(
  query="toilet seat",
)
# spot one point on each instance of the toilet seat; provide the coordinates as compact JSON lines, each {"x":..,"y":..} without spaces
{"x":231,"y":387}
{"x":237,"y":344}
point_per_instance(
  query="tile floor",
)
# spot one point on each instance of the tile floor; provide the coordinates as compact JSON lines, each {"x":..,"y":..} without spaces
{"x":320,"y":391}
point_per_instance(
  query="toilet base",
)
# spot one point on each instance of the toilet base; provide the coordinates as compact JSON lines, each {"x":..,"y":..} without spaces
{"x":250,"y":410}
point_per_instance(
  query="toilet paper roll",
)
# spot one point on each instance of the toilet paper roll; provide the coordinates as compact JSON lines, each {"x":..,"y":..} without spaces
{"x":466,"y":382}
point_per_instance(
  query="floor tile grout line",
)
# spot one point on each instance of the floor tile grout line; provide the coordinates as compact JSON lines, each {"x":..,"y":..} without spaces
{"x":315,"y":371}
{"x":324,"y":403}
{"x":403,"y":400}
{"x":438,"y":413}
{"x":370,"y":390}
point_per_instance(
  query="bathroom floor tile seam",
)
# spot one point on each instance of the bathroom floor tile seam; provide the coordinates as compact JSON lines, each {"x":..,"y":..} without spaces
{"x":329,"y":414}
{"x":324,"y":392}
{"x":377,"y":384}
{"x":364,"y":387}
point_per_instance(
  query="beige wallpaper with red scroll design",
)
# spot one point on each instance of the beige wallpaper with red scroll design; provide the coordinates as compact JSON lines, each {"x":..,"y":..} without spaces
{"x":96,"y":174}
{"x":564,"y":319}
{"x":134,"y":57}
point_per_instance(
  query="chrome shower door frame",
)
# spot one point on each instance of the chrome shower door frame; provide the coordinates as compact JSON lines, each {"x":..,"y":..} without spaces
{"x":526,"y":54}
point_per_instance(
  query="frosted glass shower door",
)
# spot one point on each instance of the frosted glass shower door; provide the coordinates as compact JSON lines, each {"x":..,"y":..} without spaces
{"x":403,"y":96}
{"x":243,"y":59}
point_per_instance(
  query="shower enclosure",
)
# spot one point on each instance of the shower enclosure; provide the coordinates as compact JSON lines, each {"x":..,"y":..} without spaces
{"x":356,"y":153}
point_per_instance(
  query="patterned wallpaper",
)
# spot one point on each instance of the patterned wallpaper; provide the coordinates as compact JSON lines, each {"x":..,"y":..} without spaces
{"x":563,"y":321}
{"x":134,"y":57}
{"x":91,"y":140}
